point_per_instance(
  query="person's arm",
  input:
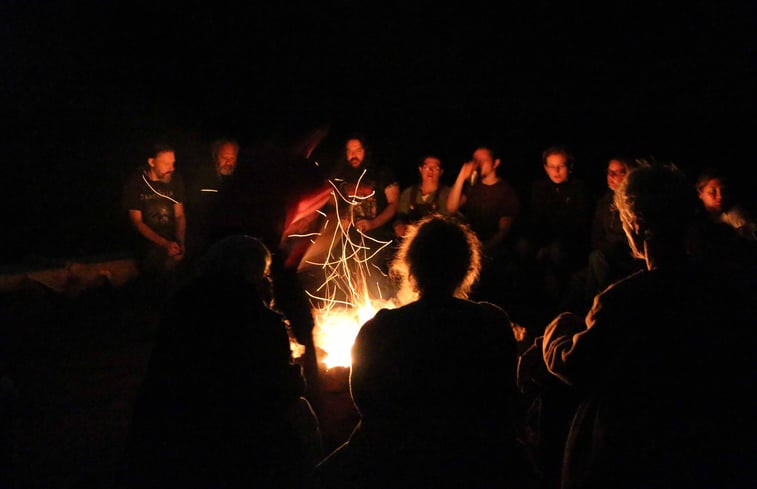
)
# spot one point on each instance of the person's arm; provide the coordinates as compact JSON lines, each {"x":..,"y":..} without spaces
{"x":401,"y":215}
{"x":598,"y":241}
{"x":504,"y":225}
{"x":455,"y":199}
{"x":135,"y":216}
{"x":561,"y":348}
{"x":181,"y":226}
{"x":392,"y":193}
{"x":579,"y":351}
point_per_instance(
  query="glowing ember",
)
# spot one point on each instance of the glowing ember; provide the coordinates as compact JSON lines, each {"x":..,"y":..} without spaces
{"x":345,"y":300}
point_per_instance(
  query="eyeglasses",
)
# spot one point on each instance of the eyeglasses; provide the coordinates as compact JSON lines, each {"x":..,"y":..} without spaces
{"x":431,"y":168}
{"x":617,"y":173}
{"x":556,"y":168}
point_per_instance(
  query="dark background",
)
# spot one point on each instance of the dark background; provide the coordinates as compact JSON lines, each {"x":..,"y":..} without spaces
{"x":86,"y":86}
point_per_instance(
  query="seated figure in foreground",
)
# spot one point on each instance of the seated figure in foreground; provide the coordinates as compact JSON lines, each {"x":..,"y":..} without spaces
{"x":662,"y":362}
{"x":433,"y":380}
{"x":221,"y":404}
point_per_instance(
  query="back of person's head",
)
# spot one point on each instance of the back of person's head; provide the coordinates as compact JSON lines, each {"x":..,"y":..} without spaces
{"x":656,"y":203}
{"x":439,"y":256}
{"x":237,"y":258}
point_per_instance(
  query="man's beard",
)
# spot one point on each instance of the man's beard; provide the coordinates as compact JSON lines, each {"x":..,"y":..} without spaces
{"x":355,"y":162}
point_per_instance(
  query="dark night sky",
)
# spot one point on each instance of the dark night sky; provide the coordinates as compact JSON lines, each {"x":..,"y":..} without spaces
{"x":85,"y":85}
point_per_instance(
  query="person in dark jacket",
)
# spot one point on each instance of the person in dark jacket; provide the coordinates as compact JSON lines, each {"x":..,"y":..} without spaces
{"x":433,"y":380}
{"x":663,"y":361}
{"x":610,"y":257}
{"x":557,"y":227}
{"x":221,"y":404}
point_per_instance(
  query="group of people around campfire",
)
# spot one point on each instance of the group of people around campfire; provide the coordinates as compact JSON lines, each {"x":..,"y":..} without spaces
{"x":648,"y":390}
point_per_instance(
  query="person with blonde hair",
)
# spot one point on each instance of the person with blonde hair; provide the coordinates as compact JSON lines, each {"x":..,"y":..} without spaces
{"x":662,"y":363}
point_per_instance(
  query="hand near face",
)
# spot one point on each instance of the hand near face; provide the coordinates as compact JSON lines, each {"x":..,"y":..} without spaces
{"x":467,"y":169}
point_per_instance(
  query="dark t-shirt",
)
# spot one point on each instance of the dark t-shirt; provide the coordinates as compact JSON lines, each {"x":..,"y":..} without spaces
{"x":365,"y":189}
{"x":560,"y":213}
{"x":155,"y":200}
{"x":204,"y":197}
{"x":486,"y":204}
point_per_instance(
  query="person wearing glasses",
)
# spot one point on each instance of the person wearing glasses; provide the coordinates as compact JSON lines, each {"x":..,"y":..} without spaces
{"x":424,"y":198}
{"x":610,"y":257}
{"x":663,"y":360}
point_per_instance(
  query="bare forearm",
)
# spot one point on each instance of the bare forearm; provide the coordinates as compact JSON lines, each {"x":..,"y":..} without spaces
{"x":455,"y":195}
{"x":151,"y":235}
{"x":181,"y":230}
{"x":385,"y":215}
{"x":505,"y":223}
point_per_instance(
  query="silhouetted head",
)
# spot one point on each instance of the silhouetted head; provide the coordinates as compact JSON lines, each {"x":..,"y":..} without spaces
{"x":657,"y":204}
{"x":439,"y":257}
{"x":238,"y":258}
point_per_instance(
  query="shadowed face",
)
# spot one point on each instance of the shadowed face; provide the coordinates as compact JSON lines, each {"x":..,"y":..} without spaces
{"x":226,"y":159}
{"x":355,"y":153}
{"x":485,"y":162}
{"x":556,"y":167}
{"x":616,"y":172}
{"x":162,"y":166}
{"x":711,"y":195}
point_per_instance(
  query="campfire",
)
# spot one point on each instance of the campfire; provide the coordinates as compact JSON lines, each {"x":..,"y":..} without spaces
{"x":353,"y":287}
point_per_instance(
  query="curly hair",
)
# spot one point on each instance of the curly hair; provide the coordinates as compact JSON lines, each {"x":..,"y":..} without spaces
{"x":657,"y":202}
{"x":439,"y":256}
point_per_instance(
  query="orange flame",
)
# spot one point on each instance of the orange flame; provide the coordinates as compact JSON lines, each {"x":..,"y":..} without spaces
{"x":344,"y":301}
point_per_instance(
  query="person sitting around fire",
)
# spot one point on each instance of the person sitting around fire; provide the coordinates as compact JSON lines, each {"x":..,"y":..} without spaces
{"x":427,"y":197}
{"x":433,"y":380}
{"x":221,"y":404}
{"x":718,"y":201}
{"x":663,"y":360}
{"x":153,"y":198}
